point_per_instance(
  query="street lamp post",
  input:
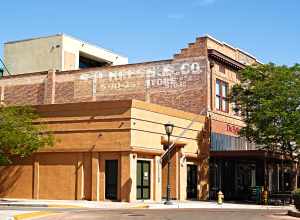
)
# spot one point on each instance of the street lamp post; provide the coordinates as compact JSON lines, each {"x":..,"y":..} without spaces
{"x":169,"y":129}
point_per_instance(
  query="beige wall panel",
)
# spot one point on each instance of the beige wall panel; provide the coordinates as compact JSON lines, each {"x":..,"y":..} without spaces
{"x":125,"y":178}
{"x":158,"y":127}
{"x":89,"y":125}
{"x":106,"y":141}
{"x":69,"y":60}
{"x":173,"y":176}
{"x":57,"y":176}
{"x":164,"y":118}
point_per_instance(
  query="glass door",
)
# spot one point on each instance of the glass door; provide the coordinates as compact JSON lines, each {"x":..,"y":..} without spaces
{"x":143,"y":179}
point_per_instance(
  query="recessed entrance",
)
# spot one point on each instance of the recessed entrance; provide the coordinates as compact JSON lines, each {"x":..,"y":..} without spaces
{"x":191,"y":181}
{"x":143,"y":180}
{"x":111,"y":179}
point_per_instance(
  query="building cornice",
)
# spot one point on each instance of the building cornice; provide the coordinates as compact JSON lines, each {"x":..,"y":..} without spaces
{"x":222,"y":58}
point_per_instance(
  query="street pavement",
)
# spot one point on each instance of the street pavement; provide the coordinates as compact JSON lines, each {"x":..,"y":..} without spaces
{"x":70,"y":209}
{"x":170,"y":214}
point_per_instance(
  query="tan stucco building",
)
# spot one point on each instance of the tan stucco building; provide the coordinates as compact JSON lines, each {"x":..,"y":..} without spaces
{"x":110,"y":150}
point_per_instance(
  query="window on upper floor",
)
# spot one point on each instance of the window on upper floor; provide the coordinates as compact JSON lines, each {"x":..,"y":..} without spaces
{"x":222,"y":103}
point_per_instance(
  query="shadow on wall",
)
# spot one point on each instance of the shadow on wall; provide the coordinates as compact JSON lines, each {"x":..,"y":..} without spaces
{"x":11,"y":178}
{"x":203,"y":149}
{"x":126,"y":190}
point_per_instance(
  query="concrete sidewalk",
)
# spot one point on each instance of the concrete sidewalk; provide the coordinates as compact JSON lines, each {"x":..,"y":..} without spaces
{"x":125,"y":205}
{"x":47,"y":205}
{"x":214,"y":205}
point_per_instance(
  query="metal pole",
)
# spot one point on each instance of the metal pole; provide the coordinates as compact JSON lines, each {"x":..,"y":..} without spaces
{"x":168,"y":202}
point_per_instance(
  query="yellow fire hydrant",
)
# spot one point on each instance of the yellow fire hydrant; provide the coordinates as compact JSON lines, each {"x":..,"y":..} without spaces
{"x":220,"y":197}
{"x":265,"y":197}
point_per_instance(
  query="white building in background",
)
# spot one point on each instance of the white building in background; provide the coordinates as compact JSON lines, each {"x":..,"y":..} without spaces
{"x":60,"y":52}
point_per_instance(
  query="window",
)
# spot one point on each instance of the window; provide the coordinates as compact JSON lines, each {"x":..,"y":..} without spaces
{"x":88,"y":62}
{"x":221,"y":68}
{"x":221,"y":96}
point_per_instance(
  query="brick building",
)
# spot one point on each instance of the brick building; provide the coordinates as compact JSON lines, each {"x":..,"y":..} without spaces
{"x":196,"y":80}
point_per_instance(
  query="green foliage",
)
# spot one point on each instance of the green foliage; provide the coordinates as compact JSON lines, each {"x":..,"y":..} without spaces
{"x":296,"y":192}
{"x":20,"y":133}
{"x":268,"y":98}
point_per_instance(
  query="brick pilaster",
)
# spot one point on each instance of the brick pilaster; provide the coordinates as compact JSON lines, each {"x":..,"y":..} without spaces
{"x":2,"y":96}
{"x":49,"y":97}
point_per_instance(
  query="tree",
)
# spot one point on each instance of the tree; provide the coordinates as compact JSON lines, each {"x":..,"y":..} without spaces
{"x":268,"y":99}
{"x":20,"y":133}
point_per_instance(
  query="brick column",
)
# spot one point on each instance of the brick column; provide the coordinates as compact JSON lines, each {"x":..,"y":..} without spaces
{"x":126,"y":180}
{"x":182,"y":175}
{"x":36,"y":167}
{"x":95,"y":176}
{"x":79,"y":177}
{"x":157,"y":178}
{"x":133,"y":167}
{"x":49,"y":95}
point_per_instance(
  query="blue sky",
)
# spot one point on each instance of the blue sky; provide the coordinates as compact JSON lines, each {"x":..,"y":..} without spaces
{"x":156,"y":29}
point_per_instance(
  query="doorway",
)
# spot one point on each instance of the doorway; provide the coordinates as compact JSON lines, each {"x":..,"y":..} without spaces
{"x":111,"y":179}
{"x":143,"y":180}
{"x":191,"y":181}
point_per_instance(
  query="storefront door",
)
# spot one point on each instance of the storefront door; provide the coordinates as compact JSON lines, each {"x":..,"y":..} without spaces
{"x":143,"y":179}
{"x":111,"y":179}
{"x":191,"y":181}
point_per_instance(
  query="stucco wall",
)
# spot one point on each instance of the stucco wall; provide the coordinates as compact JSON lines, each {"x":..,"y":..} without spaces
{"x":33,"y":55}
{"x":74,"y":46}
{"x":86,"y":135}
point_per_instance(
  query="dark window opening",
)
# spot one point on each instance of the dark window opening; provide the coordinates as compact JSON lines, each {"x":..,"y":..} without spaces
{"x":85,"y":62}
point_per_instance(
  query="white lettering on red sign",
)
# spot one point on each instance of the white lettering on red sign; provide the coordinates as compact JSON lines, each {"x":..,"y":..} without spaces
{"x":233,"y":129}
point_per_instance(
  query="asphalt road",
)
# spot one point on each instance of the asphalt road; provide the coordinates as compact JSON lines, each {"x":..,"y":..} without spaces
{"x":170,"y":214}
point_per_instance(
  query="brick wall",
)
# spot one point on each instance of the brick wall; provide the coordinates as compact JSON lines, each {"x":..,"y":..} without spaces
{"x":179,"y":83}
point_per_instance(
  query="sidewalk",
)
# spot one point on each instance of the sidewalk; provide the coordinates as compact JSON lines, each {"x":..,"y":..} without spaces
{"x":46,"y":206}
{"x":214,"y":205}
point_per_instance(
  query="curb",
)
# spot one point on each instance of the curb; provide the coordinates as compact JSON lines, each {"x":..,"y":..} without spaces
{"x":294,"y":213}
{"x":65,"y":206}
{"x":23,"y":205}
{"x":33,"y":214}
{"x":40,"y":205}
{"x":140,"y":206}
